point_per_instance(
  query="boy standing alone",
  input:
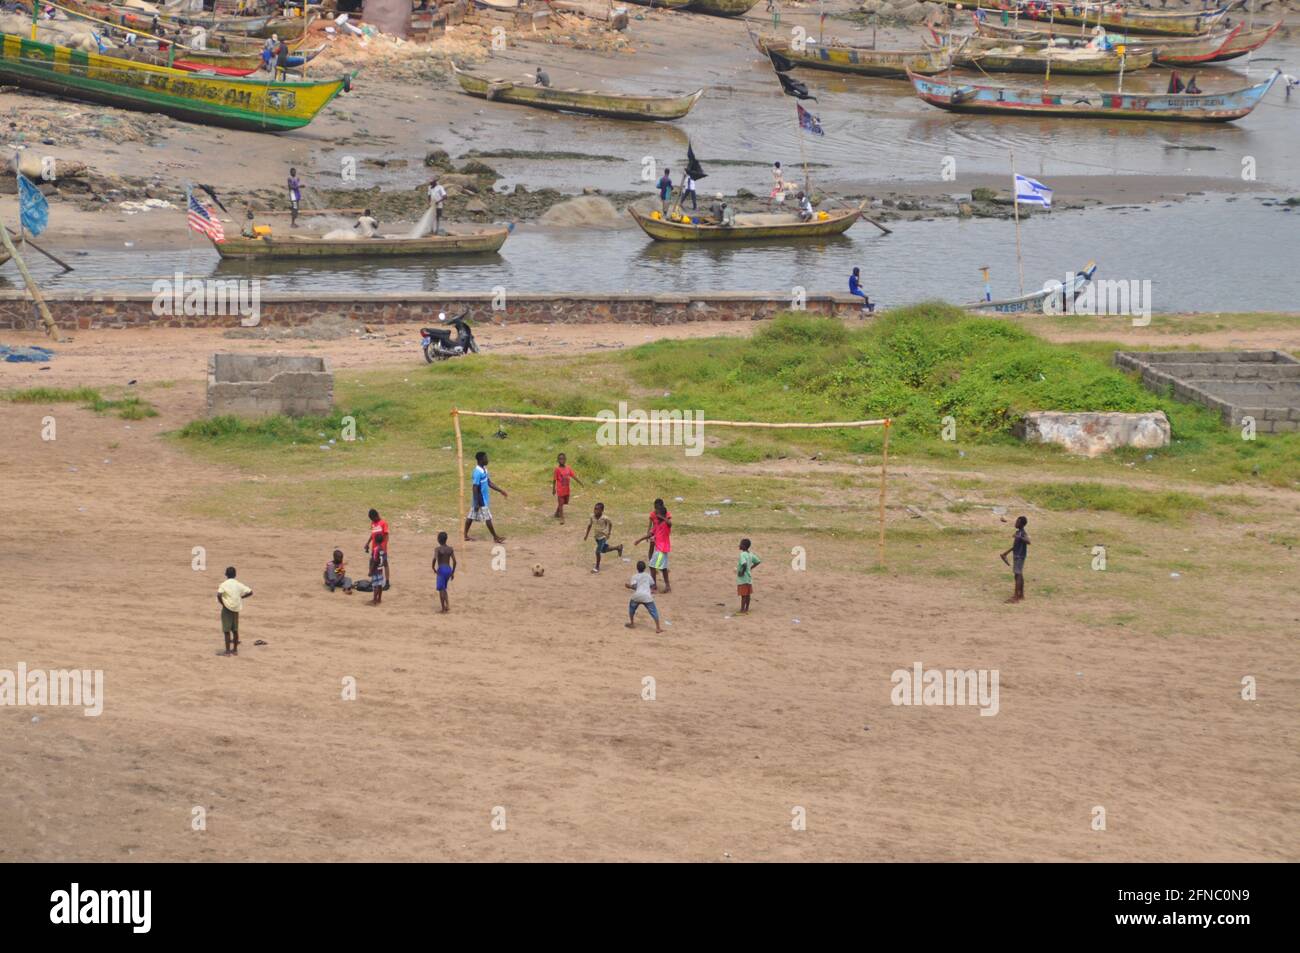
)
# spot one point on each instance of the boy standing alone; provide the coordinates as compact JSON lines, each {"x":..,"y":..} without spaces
{"x":230,"y":596}
{"x":744,"y":574}
{"x":1019,"y":550}
{"x":560,"y":485}
{"x":444,"y":564}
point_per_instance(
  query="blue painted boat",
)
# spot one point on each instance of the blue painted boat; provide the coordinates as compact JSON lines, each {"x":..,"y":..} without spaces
{"x":1091,"y":104}
{"x":1051,"y":300}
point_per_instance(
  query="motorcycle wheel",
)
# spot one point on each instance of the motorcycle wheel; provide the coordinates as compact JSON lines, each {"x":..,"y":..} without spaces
{"x":473,"y":346}
{"x":428,"y":353}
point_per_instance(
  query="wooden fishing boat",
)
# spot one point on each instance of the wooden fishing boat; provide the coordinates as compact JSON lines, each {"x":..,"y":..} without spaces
{"x":855,"y":59}
{"x":1092,"y":104}
{"x":1050,"y":300}
{"x":252,"y":104}
{"x":462,"y":240}
{"x":669,"y":4}
{"x":1246,"y":41}
{"x":1169,"y":51}
{"x":748,"y":227}
{"x":586,"y":101}
{"x":722,"y":8}
{"x":506,"y":5}
{"x":1118,"y":18}
{"x":1008,"y":56}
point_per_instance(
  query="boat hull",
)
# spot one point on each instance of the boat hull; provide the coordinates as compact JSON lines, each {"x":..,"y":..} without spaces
{"x":661,"y":230}
{"x":470,"y":243}
{"x":1118,"y":19}
{"x":722,"y":8}
{"x":1169,"y":51}
{"x":1048,"y":301}
{"x":586,"y":102}
{"x":1038,"y":61}
{"x":890,"y":64}
{"x":231,"y":102}
{"x":1091,"y":104}
{"x":1246,"y":41}
{"x":670,"y":4}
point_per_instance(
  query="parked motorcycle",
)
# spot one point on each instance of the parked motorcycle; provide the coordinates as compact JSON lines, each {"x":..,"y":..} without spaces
{"x":439,"y":344}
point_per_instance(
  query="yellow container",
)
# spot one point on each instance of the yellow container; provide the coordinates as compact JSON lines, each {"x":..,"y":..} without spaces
{"x":261,"y":231}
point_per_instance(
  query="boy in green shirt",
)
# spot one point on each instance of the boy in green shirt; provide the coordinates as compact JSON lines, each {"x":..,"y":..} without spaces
{"x":744,"y":574}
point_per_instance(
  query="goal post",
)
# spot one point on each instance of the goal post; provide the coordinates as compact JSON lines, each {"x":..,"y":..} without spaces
{"x":884,"y":423}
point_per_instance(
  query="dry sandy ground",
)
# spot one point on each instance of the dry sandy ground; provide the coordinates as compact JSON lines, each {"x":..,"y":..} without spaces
{"x":528,"y":697}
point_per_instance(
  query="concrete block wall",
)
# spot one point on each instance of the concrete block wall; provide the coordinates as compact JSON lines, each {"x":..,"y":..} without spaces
{"x":1264,"y":385}
{"x":257,"y":385}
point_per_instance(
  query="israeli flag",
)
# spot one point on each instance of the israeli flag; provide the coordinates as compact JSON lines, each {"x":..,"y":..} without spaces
{"x":1032,"y":192}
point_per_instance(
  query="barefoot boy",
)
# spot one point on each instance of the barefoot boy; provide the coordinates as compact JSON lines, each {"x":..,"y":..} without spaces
{"x":480,"y":512}
{"x":378,"y":576}
{"x":744,"y":574}
{"x":641,"y":585}
{"x":603,"y":528}
{"x":1019,"y":550}
{"x":659,"y":531}
{"x":444,"y":564}
{"x":230,"y":596}
{"x":560,"y":485}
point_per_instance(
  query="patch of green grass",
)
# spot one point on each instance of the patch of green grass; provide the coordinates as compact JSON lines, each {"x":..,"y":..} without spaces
{"x":128,"y":408}
{"x":1164,"y":505}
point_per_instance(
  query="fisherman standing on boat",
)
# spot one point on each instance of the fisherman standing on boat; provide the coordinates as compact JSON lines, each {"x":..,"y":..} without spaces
{"x":437,"y":194}
{"x":778,"y":183}
{"x":282,"y":61}
{"x":688,"y":189}
{"x":665,"y":185}
{"x":295,"y":197}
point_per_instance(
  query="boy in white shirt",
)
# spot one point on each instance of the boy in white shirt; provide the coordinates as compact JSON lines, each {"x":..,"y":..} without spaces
{"x":642,"y":586}
{"x":230,"y":596}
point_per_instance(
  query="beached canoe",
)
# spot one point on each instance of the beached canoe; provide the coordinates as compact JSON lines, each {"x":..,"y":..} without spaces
{"x":462,"y":240}
{"x":1246,"y":41}
{"x":1117,"y":18}
{"x":1092,"y":104}
{"x":749,"y":227}
{"x":722,"y":8}
{"x":252,"y":104}
{"x":993,"y":55}
{"x":1169,"y":51}
{"x":1051,"y":300}
{"x":586,"y":101}
{"x":670,"y":4}
{"x":855,"y":59}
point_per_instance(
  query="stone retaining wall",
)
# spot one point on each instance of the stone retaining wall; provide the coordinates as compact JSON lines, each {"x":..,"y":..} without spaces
{"x":1264,"y":385}
{"x":83,"y":311}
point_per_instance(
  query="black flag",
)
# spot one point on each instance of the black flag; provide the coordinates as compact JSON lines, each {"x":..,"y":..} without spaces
{"x":781,"y":64}
{"x":693,"y":167}
{"x":212,"y":193}
{"x":794,"y":88}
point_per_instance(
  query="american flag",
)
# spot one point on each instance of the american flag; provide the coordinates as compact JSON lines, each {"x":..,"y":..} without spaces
{"x":809,"y":122}
{"x":201,"y":220}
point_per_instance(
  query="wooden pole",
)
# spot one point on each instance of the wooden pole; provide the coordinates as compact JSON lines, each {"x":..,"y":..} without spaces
{"x":1015,"y":204}
{"x":757,"y":424}
{"x":460,"y":459}
{"x":884,"y":463}
{"x":58,"y":261}
{"x":32,"y":288}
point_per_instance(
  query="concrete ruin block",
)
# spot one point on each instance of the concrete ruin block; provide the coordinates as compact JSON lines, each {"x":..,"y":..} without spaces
{"x":256,"y":385}
{"x":1092,"y":434}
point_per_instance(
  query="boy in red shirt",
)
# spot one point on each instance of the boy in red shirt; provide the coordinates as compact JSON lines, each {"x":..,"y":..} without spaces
{"x":560,"y":485}
{"x":659,"y":532}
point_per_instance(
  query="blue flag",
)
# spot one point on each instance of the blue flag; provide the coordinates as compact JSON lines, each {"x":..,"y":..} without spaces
{"x":32,"y":207}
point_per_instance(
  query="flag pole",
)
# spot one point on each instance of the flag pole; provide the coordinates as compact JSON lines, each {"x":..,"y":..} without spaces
{"x":1015,"y":204}
{"x":50,"y":328}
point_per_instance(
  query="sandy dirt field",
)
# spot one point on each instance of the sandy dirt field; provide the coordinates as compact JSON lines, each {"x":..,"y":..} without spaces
{"x":528,"y":697}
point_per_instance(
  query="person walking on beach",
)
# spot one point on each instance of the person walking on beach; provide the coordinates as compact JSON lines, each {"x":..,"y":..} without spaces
{"x":745,"y":574}
{"x":560,"y":479}
{"x":444,"y":564}
{"x":855,"y":288}
{"x":1019,"y":550}
{"x":230,"y":596}
{"x":642,"y":587}
{"x":481,"y":485}
{"x":437,"y":194}
{"x":604,"y":528}
{"x":659,"y":531}
{"x":295,"y":197}
{"x":665,"y":186}
{"x":378,"y":542}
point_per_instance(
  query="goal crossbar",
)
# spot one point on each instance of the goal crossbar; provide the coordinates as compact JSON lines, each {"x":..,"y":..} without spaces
{"x":885,"y":423}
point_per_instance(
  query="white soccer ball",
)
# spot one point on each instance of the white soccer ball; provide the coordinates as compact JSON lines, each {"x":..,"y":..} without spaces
{"x":539,"y":569}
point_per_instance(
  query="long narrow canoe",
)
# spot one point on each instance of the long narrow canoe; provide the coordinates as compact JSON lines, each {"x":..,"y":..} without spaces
{"x":252,"y":104}
{"x":855,"y":59}
{"x":1116,"y":17}
{"x":251,"y":62}
{"x":670,"y":4}
{"x":586,"y":101}
{"x":749,"y":227}
{"x":1051,"y":300}
{"x":1246,"y":41}
{"x":1169,"y":51}
{"x":1007,"y":56}
{"x":1093,"y":104}
{"x":462,"y":241}
{"x":722,"y":8}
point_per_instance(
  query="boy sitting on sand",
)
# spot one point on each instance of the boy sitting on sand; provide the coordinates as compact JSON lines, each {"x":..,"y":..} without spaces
{"x":603,"y":528}
{"x":336,"y":574}
{"x":444,"y":564}
{"x":641,"y":585}
{"x":230,"y":596}
{"x":744,"y":574}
